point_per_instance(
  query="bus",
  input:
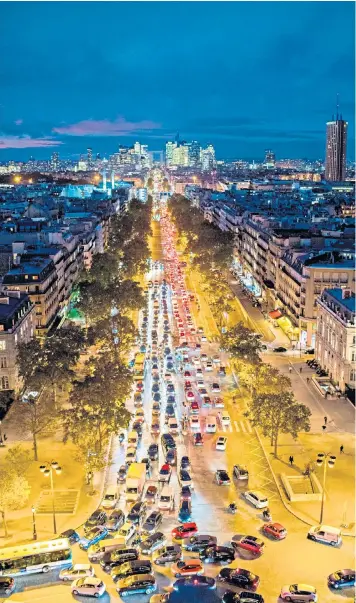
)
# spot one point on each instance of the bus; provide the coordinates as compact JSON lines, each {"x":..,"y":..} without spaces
{"x":34,"y":558}
{"x":139,"y":367}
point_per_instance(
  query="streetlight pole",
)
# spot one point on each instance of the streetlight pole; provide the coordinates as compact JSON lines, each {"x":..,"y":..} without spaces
{"x":327,"y":460}
{"x":34,"y":532}
{"x":1,"y":440}
{"x":48,"y":470}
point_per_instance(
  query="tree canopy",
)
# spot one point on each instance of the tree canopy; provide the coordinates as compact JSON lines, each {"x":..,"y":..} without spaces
{"x":242,"y":343}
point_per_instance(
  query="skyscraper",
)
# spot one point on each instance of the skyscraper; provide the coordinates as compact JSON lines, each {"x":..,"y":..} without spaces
{"x":270,"y":159}
{"x":194,"y":153}
{"x":54,"y":161}
{"x":90,"y":158}
{"x":335,"y":156}
{"x":208,"y":158}
{"x":170,"y":146}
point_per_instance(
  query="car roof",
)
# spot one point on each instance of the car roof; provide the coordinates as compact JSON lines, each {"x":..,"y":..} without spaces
{"x":307,"y":587}
{"x":83,"y":566}
{"x":92,"y":580}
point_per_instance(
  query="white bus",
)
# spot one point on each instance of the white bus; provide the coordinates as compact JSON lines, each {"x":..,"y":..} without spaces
{"x":36,"y":557}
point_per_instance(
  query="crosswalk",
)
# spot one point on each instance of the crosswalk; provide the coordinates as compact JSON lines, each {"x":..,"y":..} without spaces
{"x":238,"y":426}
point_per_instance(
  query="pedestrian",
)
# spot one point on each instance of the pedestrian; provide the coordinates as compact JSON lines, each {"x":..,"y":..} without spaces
{"x":308,"y":379}
{"x":290,"y":369}
{"x":291,"y":460}
{"x":325,"y":420}
{"x":301,"y":369}
{"x":341,"y":449}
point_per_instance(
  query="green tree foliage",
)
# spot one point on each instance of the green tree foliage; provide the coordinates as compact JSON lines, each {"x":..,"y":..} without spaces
{"x":242,"y":343}
{"x":277,"y":413}
{"x":263,"y":379}
{"x":36,"y":417}
{"x":101,"y":334}
{"x":14,"y":492}
{"x":19,"y":459}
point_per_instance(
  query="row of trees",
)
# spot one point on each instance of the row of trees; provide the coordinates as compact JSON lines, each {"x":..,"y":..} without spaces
{"x":272,"y":406}
{"x":210,"y":251}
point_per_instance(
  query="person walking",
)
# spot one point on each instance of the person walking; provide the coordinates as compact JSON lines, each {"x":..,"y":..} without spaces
{"x":308,"y":379}
{"x":341,"y":449}
{"x":291,"y":460}
{"x":325,"y":420}
{"x":301,"y":369}
{"x":290,"y":369}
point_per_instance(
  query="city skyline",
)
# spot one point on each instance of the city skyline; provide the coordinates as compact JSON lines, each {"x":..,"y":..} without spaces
{"x":214,"y":86}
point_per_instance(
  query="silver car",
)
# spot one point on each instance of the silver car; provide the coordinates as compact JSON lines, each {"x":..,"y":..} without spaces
{"x":79,"y":570}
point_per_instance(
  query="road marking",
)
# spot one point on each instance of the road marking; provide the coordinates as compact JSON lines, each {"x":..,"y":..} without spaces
{"x":243,"y":426}
{"x":237,"y":427}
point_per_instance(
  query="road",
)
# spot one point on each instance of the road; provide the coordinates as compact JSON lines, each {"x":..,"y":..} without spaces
{"x":292,"y":560}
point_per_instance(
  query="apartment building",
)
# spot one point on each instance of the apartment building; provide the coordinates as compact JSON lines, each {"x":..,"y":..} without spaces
{"x":17,"y":324}
{"x":335,"y":347}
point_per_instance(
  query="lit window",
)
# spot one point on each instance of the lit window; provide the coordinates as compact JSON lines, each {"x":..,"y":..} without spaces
{"x":2,"y":345}
{"x":3,"y":362}
{"x":4,"y":382}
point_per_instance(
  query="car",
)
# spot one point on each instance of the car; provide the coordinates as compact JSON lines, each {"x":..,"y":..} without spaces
{"x":188,"y":567}
{"x":165,"y":473}
{"x":199,"y":542}
{"x":299,"y":593}
{"x":168,"y":554}
{"x":279,"y":350}
{"x":221,"y":443}
{"x":189,"y":395}
{"x":248,"y":543}
{"x":136,"y":512}
{"x":240,"y":472}
{"x":275,"y":530}
{"x":222,"y":477}
{"x":131,"y":455}
{"x":184,"y":530}
{"x":171,"y":399}
{"x":115,"y":520}
{"x":98,"y":518}
{"x":257,"y":499}
{"x":215,"y":388}
{"x":198,"y":439}
{"x":224,"y":418}
{"x":195,"y":580}
{"x":137,"y":426}
{"x":79,"y":570}
{"x":139,"y":386}
{"x":245,"y":596}
{"x":140,"y":583}
{"x":153,"y":542}
{"x":155,"y":428}
{"x":121,"y":474}
{"x":218,"y":402}
{"x":187,"y":374}
{"x":92,"y":537}
{"x":152,"y":522}
{"x":238,"y":577}
{"x":216,"y":359}
{"x":194,"y":407}
{"x":344,"y":578}
{"x":151,"y":494}
{"x":117,"y":557}
{"x":185,"y":493}
{"x":201,"y":384}
{"x":194,"y":423}
{"x":217,"y":554}
{"x":184,"y":478}
{"x":153,"y":452}
{"x":199,"y":371}
{"x":89,"y":586}
{"x":170,"y":388}
{"x":209,"y":366}
{"x":71,"y":535}
{"x":7,"y":585}
{"x":185,"y":511}
{"x":127,"y":530}
{"x":131,"y":568}
{"x":171,"y":456}
{"x":170,"y":412}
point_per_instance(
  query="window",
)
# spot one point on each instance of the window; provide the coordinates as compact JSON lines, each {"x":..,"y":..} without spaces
{"x":353,"y":375}
{"x":353,"y":356}
{"x":4,"y":382}
{"x":3,"y":362}
{"x":353,"y":340}
{"x":2,"y":346}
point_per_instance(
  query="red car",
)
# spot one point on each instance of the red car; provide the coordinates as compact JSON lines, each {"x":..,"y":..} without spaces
{"x":187,"y":374}
{"x":187,"y":385}
{"x":185,"y":530}
{"x":249,"y":543}
{"x":194,"y":407}
{"x":190,"y":394}
{"x":276,"y":530}
{"x":139,"y":386}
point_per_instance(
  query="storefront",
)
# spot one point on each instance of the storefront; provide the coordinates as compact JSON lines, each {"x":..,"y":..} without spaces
{"x":285,"y":323}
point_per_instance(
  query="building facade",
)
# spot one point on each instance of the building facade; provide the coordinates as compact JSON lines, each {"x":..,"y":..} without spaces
{"x":335,"y":156}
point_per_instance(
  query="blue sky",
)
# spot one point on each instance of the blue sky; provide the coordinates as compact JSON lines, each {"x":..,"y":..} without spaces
{"x":244,"y":76}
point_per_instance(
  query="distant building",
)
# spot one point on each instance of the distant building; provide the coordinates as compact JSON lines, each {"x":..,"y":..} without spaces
{"x":142,"y":195}
{"x":17,"y":323}
{"x":170,"y":146}
{"x":270,"y":159}
{"x":335,"y":347}
{"x":335,"y":156}
{"x":194,"y":149}
{"x":54,"y":165}
{"x":207,"y":157}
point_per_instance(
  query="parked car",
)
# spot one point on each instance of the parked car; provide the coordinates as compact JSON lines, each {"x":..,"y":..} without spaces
{"x":88,"y":587}
{"x":240,"y":472}
{"x":279,"y":350}
{"x":222,"y":477}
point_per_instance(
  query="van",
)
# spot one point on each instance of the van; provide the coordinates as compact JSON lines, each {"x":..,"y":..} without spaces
{"x":326,"y":534}
{"x":111,"y":498}
{"x":132,"y":439}
{"x":210,"y":426}
{"x":166,"y":499}
{"x":98,"y":550}
{"x":173,"y":425}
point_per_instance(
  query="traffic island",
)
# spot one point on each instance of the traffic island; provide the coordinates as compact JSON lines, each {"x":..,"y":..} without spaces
{"x":302,"y":488}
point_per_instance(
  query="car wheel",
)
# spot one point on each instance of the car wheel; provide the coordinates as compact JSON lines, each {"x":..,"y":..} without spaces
{"x":288,"y":599}
{"x":45,"y":569}
{"x":149,"y":591}
{"x":96,"y":595}
{"x":177,"y":575}
{"x":75,"y":592}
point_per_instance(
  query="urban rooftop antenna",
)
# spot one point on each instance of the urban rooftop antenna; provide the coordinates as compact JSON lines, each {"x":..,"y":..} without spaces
{"x":337,"y":106}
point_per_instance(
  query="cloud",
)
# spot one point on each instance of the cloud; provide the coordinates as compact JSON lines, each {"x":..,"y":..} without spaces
{"x":104,"y":127}
{"x":18,"y":122}
{"x":26,"y":142}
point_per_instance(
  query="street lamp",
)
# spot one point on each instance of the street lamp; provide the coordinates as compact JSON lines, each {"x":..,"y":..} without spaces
{"x":47,"y":471}
{"x":34,"y":533}
{"x":328,"y":460}
{"x":1,"y":440}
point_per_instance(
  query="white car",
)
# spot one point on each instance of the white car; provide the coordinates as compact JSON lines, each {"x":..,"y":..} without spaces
{"x":221,"y":443}
{"x":209,"y":366}
{"x":195,"y":423}
{"x":204,"y":338}
{"x":216,"y":359}
{"x":215,"y":388}
{"x":257,"y":499}
{"x":127,"y":531}
{"x":299,"y":593}
{"x":224,"y":418}
{"x":196,"y":361}
{"x":199,"y":371}
{"x":92,"y":587}
{"x":204,"y":357}
{"x":200,"y":384}
{"x":79,"y":570}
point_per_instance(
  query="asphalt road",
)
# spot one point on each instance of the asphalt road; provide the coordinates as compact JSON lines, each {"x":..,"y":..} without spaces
{"x":292,"y":560}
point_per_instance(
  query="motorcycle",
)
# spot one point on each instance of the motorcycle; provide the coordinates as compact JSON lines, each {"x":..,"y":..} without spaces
{"x":121,"y":438}
{"x":232,"y":508}
{"x":267,"y":516}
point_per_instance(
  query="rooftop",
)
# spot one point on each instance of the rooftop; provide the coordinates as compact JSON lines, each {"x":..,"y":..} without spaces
{"x":348,"y":303}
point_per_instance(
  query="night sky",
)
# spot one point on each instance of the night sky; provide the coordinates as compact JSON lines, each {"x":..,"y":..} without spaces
{"x":244,"y":76}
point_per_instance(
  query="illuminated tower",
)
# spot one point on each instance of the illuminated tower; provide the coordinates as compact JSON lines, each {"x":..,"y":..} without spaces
{"x":335,"y":156}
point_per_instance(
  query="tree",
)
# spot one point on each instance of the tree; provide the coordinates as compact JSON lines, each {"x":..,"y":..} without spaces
{"x":19,"y":459}
{"x":35,"y":417}
{"x":278,"y":413}
{"x":14,"y":493}
{"x":242,"y":343}
{"x":263,"y":379}
{"x":121,"y":327}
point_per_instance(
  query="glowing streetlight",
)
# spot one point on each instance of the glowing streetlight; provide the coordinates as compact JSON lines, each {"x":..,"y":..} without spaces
{"x":328,"y":460}
{"x":47,"y":471}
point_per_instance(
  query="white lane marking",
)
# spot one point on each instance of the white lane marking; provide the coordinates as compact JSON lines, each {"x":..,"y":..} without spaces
{"x":237,"y":426}
{"x":243,"y":426}
{"x":249,"y":426}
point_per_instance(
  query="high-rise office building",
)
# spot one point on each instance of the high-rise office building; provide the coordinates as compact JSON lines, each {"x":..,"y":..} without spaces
{"x":335,"y":156}
{"x":194,"y":153}
{"x":170,"y":146}
{"x":207,"y":157}
{"x":54,"y":162}
{"x":90,"y":158}
{"x":270,"y":159}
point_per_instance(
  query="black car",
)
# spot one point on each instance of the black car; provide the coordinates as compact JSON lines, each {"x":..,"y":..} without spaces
{"x":196,"y":580}
{"x":153,"y":452}
{"x":131,"y":568}
{"x":146,"y":461}
{"x":155,"y":387}
{"x":280,"y":349}
{"x":199,"y":542}
{"x":171,"y":456}
{"x":137,"y":426}
{"x":7,"y":585}
{"x":72,"y":536}
{"x":153,"y":542}
{"x":217,"y":554}
{"x":185,"y":462}
{"x":244,"y":596}
{"x":152,"y":522}
{"x":98,"y":518}
{"x":168,"y":554}
{"x":185,"y":493}
{"x":171,"y":399}
{"x":137,"y":511}
{"x":116,"y":558}
{"x":115,"y":520}
{"x":167,"y":441}
{"x":238,"y":577}
{"x":140,"y":584}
